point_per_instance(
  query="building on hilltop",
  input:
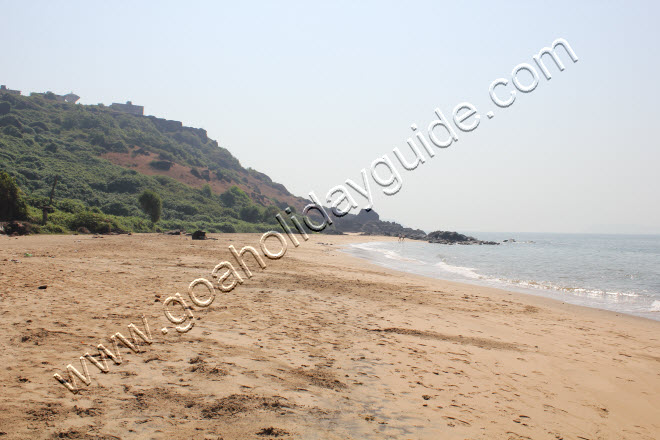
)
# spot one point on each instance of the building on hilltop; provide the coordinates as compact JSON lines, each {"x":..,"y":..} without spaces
{"x":69,"y":98}
{"x":4,"y":89}
{"x":128,"y":108}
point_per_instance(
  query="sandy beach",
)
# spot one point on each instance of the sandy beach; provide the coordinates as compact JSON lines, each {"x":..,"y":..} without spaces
{"x":319,"y":345}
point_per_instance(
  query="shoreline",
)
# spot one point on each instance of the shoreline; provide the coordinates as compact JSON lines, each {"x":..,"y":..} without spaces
{"x":320,"y":344}
{"x":527,"y":292}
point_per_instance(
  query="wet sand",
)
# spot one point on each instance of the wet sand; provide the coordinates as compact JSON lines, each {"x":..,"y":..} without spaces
{"x":319,"y":345}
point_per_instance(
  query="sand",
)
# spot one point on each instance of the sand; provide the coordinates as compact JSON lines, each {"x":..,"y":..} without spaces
{"x":319,"y":345}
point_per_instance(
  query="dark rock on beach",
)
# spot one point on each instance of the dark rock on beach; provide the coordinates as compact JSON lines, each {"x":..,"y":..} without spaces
{"x":199,"y":235}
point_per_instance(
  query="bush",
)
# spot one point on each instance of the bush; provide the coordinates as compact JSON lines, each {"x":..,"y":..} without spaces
{"x":163,"y":165}
{"x":5,"y":107}
{"x":250,"y":214}
{"x":12,"y":120}
{"x":95,"y":223}
{"x":10,"y":130}
{"x":151,"y":204}
{"x":53,"y":229}
{"x":227,"y":227}
{"x":39,"y":125}
{"x":12,"y":204}
{"x":206,"y":190}
{"x":72,"y":206}
{"x":124,"y":184}
{"x":228,"y":198}
{"x":233,"y":196}
{"x":269,"y":214}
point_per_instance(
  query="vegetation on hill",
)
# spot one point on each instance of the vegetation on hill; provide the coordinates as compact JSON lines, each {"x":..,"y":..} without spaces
{"x":12,"y":203}
{"x":42,"y":138}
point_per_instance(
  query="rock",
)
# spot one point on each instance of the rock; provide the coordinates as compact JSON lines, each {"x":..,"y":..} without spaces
{"x":199,"y":235}
{"x":17,"y":228}
{"x":391,"y":229}
{"x":44,"y":287}
{"x":451,"y":237}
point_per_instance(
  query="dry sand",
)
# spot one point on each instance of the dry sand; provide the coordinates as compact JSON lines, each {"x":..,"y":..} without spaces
{"x":320,"y":345}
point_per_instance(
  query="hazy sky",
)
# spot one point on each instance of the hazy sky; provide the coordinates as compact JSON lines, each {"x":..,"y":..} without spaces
{"x":312,"y":92}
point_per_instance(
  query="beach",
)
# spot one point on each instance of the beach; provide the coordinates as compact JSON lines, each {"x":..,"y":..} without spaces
{"x":319,"y":345}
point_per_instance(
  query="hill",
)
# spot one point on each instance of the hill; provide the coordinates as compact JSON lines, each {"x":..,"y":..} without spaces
{"x":105,"y":158}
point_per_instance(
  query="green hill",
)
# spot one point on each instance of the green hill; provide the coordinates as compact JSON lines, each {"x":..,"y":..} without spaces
{"x":105,"y":159}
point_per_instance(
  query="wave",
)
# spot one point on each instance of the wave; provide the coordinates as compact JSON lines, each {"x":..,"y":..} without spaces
{"x":655,"y":307}
{"x":460,"y":270}
{"x":387,"y":253}
{"x":469,"y":272}
{"x":458,"y":273}
{"x":546,"y":285}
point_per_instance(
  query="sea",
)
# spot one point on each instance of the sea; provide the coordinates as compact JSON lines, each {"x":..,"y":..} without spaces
{"x":620,"y":273}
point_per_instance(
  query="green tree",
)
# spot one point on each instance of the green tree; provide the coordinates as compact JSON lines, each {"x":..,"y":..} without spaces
{"x":206,"y":190}
{"x":269,"y":214}
{"x":151,"y":204}
{"x":250,"y":214}
{"x":12,"y":204}
{"x":228,"y":198}
{"x":5,"y":107}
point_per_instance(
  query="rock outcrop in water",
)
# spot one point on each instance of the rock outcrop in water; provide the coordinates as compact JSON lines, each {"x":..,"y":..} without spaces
{"x":451,"y":237}
{"x":369,"y":223}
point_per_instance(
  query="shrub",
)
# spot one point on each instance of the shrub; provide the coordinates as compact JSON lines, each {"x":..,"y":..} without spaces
{"x":124,"y":184}
{"x":163,"y":165}
{"x":228,"y":198}
{"x":250,"y":214}
{"x":96,"y":223}
{"x":12,"y":120}
{"x":5,"y":107}
{"x":206,"y":190}
{"x":151,"y":204}
{"x":72,"y":206}
{"x":227,"y":227}
{"x":39,"y":125}
{"x":269,"y":214}
{"x":12,"y":204}
{"x":10,"y":130}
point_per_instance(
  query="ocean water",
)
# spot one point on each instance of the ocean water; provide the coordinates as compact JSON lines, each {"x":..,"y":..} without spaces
{"x":613,"y":272}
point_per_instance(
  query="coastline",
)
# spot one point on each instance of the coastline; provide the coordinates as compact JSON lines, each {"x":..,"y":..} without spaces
{"x":321,"y":344}
{"x":542,"y":290}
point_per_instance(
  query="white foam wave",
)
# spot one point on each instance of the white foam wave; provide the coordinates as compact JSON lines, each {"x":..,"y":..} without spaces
{"x":655,"y":307}
{"x":581,"y":291}
{"x":387,"y":253}
{"x":460,"y":270}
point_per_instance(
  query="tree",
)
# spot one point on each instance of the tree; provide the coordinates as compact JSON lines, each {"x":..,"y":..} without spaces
{"x":5,"y":107}
{"x":228,"y":198}
{"x":250,"y":214}
{"x":269,"y":214}
{"x":151,"y":204}
{"x":206,"y":190}
{"x":12,"y":205}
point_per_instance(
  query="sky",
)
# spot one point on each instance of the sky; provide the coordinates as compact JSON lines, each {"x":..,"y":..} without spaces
{"x":311,"y":93}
